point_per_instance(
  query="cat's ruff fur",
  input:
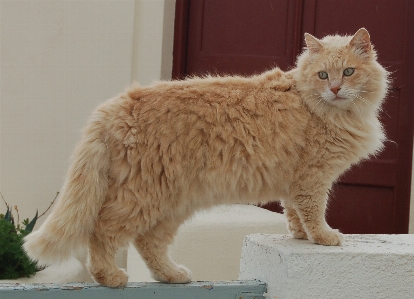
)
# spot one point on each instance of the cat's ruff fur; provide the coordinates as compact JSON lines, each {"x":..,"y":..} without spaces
{"x":153,"y":155}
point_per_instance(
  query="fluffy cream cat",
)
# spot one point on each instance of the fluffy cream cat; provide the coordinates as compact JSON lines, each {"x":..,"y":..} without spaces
{"x":152,"y":156}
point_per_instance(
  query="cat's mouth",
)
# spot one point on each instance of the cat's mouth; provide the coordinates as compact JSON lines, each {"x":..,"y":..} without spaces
{"x":340,"y":101}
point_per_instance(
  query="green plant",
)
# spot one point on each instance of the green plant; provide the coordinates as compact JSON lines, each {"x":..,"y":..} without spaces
{"x":14,"y":262}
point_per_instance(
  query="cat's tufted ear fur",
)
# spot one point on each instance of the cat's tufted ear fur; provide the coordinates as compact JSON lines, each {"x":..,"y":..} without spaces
{"x":313,"y":44}
{"x":361,"y":42}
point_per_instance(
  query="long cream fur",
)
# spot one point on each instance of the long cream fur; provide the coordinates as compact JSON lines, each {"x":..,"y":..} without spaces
{"x":153,"y":155}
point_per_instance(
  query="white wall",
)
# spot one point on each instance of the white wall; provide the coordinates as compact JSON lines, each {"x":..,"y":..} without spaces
{"x":153,"y":40}
{"x":58,"y":60}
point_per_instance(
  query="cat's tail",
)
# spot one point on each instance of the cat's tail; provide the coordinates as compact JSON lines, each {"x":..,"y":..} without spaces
{"x":66,"y":231}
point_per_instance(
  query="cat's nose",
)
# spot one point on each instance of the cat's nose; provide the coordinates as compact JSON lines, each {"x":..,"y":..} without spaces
{"x":335,"y":90}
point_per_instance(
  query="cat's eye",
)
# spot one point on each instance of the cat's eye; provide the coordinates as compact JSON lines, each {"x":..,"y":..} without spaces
{"x":323,"y":75}
{"x":349,"y":71}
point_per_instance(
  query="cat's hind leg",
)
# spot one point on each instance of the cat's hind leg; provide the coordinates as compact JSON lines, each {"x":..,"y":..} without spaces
{"x":153,"y":247}
{"x":294,"y":225}
{"x":102,"y":262}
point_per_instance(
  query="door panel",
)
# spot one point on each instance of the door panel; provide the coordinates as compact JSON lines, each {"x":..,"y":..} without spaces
{"x":355,"y":190}
{"x":384,"y":19}
{"x":362,"y":209}
{"x":223,"y":36}
{"x":216,"y":36}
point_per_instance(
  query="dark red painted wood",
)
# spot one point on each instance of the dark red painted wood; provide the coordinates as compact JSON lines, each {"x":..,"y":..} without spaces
{"x":374,"y":197}
{"x":223,"y":35}
{"x":180,"y":39}
{"x":219,"y":36}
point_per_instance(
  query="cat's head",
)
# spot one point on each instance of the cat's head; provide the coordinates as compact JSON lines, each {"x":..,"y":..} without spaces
{"x":340,"y":73}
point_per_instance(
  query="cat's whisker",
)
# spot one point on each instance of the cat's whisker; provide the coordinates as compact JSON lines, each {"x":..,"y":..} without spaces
{"x":319,"y":104}
{"x":357,"y":96}
{"x":365,"y":101}
{"x":358,"y":90}
{"x":356,"y":106}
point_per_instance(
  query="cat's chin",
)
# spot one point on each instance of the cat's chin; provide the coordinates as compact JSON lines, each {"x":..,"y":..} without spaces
{"x":340,"y":102}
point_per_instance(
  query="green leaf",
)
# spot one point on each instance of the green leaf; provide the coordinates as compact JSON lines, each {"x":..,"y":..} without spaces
{"x":14,"y":262}
{"x":9,"y":217}
{"x":29,"y":227}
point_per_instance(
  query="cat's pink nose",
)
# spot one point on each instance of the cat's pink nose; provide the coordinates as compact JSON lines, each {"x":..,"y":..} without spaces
{"x":335,"y":90}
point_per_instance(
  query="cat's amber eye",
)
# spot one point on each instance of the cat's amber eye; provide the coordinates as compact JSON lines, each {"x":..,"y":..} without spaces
{"x":349,"y":71}
{"x":323,"y":75}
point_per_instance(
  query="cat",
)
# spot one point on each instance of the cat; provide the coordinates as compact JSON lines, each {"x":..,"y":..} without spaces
{"x":152,"y":156}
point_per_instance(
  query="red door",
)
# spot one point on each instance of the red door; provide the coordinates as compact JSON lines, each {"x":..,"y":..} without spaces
{"x":234,"y":37}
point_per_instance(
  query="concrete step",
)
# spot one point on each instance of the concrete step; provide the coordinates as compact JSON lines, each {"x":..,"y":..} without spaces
{"x":367,"y":266}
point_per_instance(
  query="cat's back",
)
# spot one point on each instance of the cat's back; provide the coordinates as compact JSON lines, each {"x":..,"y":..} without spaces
{"x":200,"y":127}
{"x":224,"y":106}
{"x":228,"y":107}
{"x":208,"y":95}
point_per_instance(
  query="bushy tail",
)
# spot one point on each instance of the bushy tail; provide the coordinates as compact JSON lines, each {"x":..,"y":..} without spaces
{"x":66,"y":231}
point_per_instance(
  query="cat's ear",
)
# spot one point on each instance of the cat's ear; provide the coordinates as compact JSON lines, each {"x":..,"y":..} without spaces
{"x":361,"y":42}
{"x":313,"y":44}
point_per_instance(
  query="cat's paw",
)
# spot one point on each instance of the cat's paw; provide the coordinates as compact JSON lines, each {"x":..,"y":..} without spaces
{"x":179,"y":274}
{"x":114,"y":280}
{"x":297,"y":231}
{"x":298,"y":234}
{"x":330,"y":237}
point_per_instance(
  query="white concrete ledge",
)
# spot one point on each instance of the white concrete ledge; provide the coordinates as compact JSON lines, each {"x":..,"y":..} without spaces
{"x":367,"y":266}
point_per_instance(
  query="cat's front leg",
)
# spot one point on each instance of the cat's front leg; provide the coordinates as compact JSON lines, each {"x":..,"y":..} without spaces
{"x":294,"y":225}
{"x":311,"y":211}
